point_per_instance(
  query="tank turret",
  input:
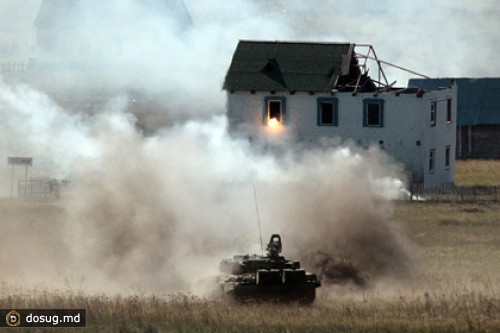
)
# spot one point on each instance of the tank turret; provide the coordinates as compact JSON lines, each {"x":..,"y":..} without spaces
{"x":267,"y":277}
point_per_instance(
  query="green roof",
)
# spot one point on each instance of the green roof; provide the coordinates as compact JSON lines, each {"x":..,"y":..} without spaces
{"x":287,"y":66}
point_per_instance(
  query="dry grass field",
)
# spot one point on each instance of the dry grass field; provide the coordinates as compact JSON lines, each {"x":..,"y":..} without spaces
{"x":478,"y":172}
{"x":454,"y":289}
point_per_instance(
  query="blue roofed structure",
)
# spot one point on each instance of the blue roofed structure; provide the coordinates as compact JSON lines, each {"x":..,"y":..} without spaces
{"x":478,"y":99}
{"x":478,"y":113}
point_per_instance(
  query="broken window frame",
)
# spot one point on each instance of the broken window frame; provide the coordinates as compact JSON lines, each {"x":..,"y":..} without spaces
{"x":366,"y":110}
{"x":322,"y":101}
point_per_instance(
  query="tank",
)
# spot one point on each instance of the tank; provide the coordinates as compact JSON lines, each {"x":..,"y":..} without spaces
{"x":267,"y":278}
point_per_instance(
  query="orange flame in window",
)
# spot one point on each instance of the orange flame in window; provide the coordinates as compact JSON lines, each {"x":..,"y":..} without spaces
{"x":273,"y":123}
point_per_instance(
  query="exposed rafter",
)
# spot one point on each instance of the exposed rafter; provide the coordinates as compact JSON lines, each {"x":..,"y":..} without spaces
{"x":382,"y":81}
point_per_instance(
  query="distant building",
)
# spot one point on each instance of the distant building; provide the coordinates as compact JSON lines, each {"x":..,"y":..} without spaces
{"x":478,"y":114}
{"x":309,"y":91}
{"x":81,"y":65}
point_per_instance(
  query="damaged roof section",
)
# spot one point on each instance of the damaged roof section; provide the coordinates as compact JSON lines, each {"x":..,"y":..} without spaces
{"x":291,"y":66}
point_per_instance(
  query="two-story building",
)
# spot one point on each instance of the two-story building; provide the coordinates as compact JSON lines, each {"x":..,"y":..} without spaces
{"x":308,"y":91}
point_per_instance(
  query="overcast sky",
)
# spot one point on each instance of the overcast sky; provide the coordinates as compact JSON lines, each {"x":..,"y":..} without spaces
{"x":435,"y":37}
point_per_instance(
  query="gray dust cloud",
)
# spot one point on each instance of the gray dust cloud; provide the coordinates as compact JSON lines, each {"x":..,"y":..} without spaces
{"x":156,"y":211}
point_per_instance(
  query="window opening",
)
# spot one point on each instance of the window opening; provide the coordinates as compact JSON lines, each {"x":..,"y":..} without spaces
{"x":433,"y":113}
{"x":448,"y":111}
{"x":373,"y":114}
{"x":327,"y":116}
{"x":447,"y":157}
{"x":432,"y":160}
{"x":275,"y":110}
{"x":274,"y":113}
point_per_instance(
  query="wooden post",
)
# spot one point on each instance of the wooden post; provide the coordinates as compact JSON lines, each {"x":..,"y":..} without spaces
{"x":25,"y":180}
{"x":12,"y":181}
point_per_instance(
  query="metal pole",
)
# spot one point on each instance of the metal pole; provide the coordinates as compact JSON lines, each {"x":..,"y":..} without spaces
{"x":258,"y":218}
{"x":396,"y":66}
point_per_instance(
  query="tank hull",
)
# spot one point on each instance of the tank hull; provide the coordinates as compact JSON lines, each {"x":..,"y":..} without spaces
{"x":242,"y":292}
{"x":267,"y":278}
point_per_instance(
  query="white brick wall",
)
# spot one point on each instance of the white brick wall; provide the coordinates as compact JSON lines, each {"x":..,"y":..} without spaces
{"x":406,"y":121}
{"x":441,"y":135}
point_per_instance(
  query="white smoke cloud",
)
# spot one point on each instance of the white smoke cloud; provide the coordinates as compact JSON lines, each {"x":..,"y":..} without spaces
{"x":436,"y":38}
{"x":33,"y":125}
{"x":159,"y":211}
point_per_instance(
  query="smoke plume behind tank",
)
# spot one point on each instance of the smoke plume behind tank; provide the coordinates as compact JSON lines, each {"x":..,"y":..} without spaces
{"x":156,"y":213}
